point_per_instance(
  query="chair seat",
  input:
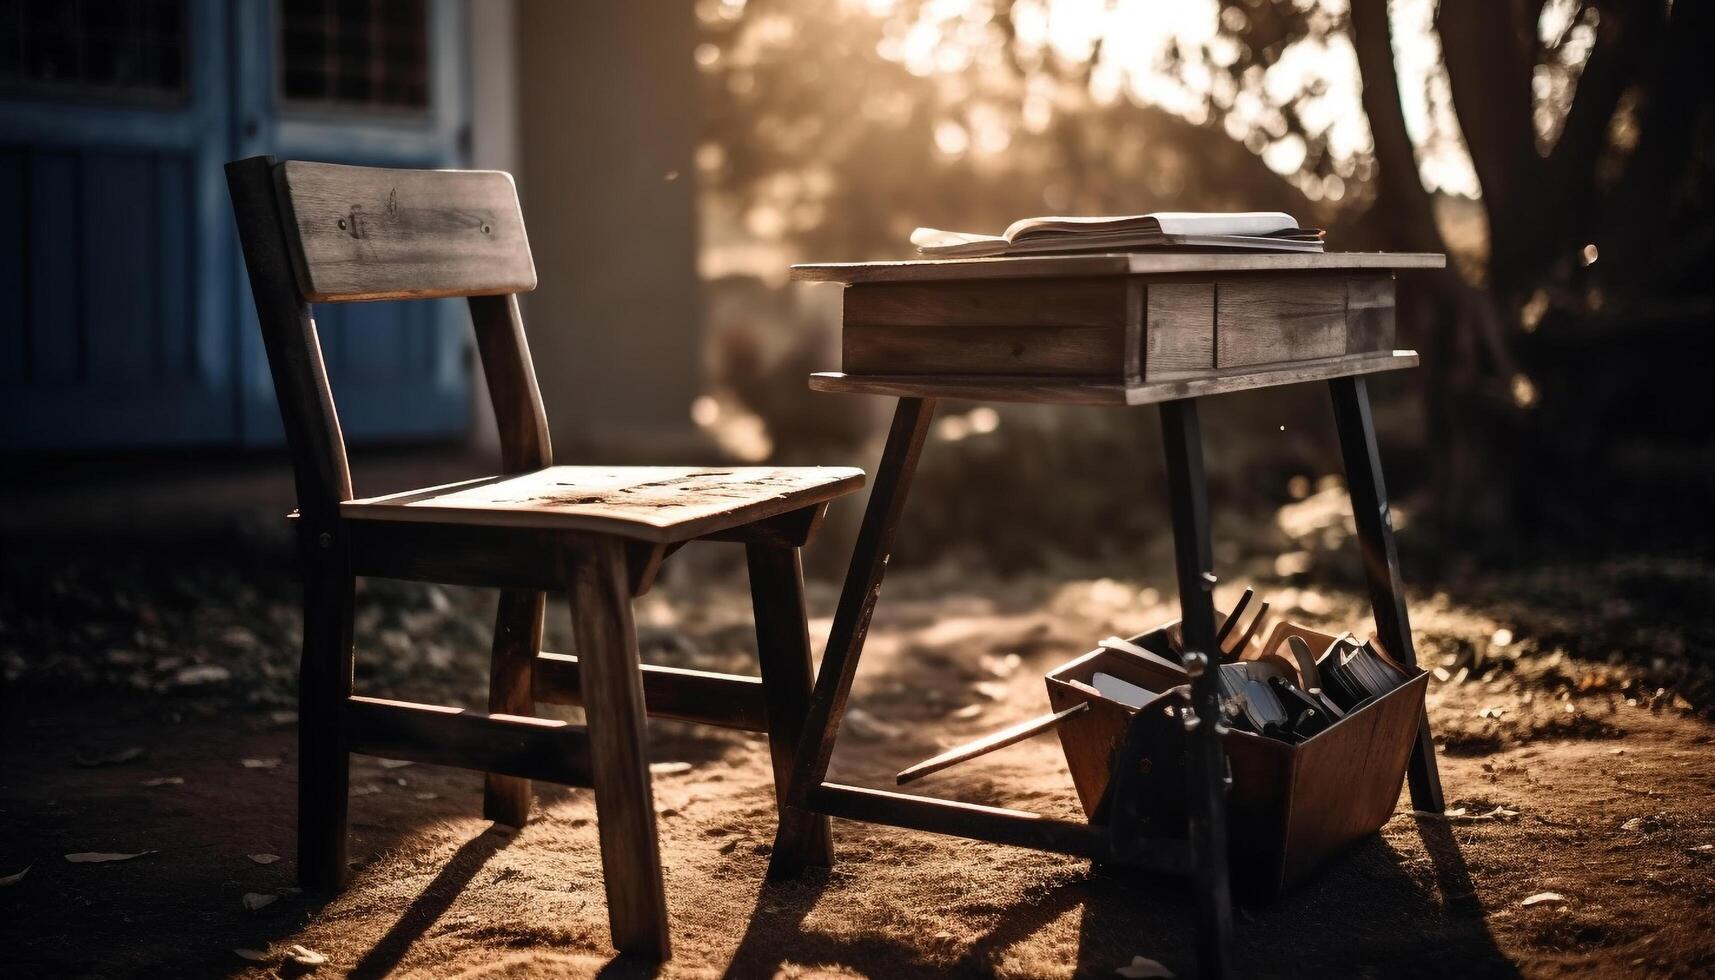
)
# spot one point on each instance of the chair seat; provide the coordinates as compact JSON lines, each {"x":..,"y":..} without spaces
{"x":662,"y":504}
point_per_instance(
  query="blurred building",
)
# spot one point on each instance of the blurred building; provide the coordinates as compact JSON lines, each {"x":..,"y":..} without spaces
{"x":125,"y":318}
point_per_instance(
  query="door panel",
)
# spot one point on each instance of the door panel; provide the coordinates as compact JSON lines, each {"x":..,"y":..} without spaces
{"x":119,"y":329}
{"x":13,"y":330}
{"x":125,"y":314}
{"x":119,"y":338}
{"x":52,"y":268}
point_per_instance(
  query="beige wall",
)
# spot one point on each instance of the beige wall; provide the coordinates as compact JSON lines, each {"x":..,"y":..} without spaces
{"x":605,"y":126}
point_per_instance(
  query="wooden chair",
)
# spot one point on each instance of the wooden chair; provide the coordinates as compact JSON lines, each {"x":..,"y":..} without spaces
{"x":320,"y":233}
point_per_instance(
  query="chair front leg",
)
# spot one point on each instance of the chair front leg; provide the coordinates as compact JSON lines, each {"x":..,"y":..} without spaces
{"x":517,"y":640}
{"x":324,"y":684}
{"x":612,"y":680}
{"x":783,"y":652}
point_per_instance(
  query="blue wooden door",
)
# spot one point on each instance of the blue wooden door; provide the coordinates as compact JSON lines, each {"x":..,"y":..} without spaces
{"x":125,"y":319}
{"x":115,"y":283}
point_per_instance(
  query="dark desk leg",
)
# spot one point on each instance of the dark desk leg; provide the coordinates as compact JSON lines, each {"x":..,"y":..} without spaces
{"x":1206,"y":771}
{"x":857,"y":597}
{"x":1381,"y":563}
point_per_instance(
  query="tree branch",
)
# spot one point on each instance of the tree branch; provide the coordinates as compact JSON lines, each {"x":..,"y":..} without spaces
{"x":1406,"y":214}
{"x":1628,"y":30}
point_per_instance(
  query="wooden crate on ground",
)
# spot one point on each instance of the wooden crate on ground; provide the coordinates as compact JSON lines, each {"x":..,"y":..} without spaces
{"x":1290,"y":807}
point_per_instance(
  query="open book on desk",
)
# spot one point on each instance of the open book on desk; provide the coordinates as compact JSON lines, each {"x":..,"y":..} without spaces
{"x":1272,"y":231}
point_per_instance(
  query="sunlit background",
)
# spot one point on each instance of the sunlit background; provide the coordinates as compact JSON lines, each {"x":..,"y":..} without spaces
{"x":1550,"y":464}
{"x":831,"y":130}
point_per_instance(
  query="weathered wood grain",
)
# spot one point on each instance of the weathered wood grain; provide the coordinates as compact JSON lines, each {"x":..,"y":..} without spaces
{"x":663,"y":504}
{"x":1067,"y":351}
{"x":1053,"y":327}
{"x":1056,"y":303}
{"x":1275,"y":321}
{"x":611,"y":681}
{"x":367,"y":233}
{"x":1369,"y":314}
{"x":1179,"y":329}
{"x":1114,"y":264}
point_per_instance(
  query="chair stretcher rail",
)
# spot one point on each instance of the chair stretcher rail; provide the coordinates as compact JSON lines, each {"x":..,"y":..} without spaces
{"x":512,"y":745}
{"x":701,"y":696}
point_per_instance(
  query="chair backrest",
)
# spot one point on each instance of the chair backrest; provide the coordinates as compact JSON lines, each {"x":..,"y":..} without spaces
{"x":325,"y":233}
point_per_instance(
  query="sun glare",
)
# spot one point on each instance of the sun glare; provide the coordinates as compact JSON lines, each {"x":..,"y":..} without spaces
{"x":1132,"y":43}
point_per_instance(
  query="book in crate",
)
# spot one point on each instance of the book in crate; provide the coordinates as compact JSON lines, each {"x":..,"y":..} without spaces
{"x":1292,"y":803}
{"x":1313,"y":768}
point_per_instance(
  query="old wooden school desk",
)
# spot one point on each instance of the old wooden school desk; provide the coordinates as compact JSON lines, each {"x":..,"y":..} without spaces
{"x":1133,"y":329}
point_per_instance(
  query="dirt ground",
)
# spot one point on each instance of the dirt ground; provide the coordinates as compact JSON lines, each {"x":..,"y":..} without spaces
{"x":149,"y":713}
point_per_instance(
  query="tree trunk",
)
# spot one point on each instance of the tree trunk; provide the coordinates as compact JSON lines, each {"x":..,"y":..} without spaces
{"x":1442,"y":315}
{"x":1490,"y":52}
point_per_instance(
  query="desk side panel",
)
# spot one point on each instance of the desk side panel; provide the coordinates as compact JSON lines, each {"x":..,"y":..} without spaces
{"x":1197,"y":327}
{"x":1044,"y":328}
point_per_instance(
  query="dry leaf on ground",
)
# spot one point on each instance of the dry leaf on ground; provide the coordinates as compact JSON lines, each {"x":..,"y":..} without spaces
{"x":118,"y":757}
{"x":1541,"y":897}
{"x":1143,"y":966}
{"x":305,"y":956}
{"x":1498,"y":813}
{"x":868,"y":727}
{"x":257,"y":900}
{"x":14,"y":879}
{"x":254,"y":955}
{"x":101,"y":857}
{"x":258,"y":763}
{"x":165,"y":781}
{"x":202,"y":674}
{"x":264,"y":858}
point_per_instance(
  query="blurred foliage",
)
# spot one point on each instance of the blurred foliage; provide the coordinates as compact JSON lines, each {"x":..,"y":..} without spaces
{"x":1560,"y":149}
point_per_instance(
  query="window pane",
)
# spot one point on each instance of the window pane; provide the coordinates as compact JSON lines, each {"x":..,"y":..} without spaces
{"x":130,"y":50}
{"x":355,"y":53}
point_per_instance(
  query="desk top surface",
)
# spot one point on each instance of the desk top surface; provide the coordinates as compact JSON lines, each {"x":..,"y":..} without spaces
{"x":1109,"y":264}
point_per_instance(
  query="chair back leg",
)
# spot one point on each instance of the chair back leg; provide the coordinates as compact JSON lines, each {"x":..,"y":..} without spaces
{"x":517,"y":640}
{"x":783,"y":650}
{"x":612,"y":681}
{"x":324,"y":684}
